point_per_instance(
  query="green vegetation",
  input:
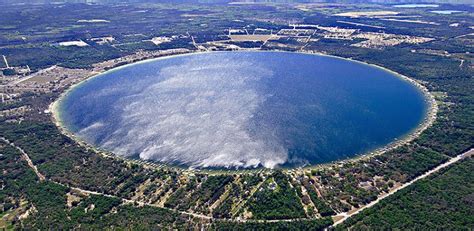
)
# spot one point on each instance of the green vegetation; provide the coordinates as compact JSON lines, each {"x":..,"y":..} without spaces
{"x":93,"y":208}
{"x":239,"y":193}
{"x":282,"y":225}
{"x":208,"y":192}
{"x":444,"y":201}
{"x":176,"y":198}
{"x":225,"y":208}
{"x":323,"y":209}
{"x":276,"y":199}
{"x":47,"y":203}
{"x":29,"y":36}
{"x":16,"y":181}
{"x":50,"y":202}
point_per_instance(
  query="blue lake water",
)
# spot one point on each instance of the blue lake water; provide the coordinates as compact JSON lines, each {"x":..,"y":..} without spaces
{"x":243,"y":109}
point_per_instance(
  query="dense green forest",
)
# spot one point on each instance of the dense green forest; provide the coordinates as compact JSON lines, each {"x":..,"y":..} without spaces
{"x":47,"y":202}
{"x":444,"y":201}
{"x":276,"y":200}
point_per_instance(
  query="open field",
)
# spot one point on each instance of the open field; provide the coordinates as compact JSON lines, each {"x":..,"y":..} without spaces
{"x":253,"y":38}
{"x":357,"y":14}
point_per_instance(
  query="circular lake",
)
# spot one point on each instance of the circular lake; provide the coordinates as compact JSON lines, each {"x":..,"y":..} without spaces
{"x":243,"y":109}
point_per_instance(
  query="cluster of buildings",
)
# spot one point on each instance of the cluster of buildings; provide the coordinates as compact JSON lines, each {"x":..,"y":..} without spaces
{"x":381,"y":40}
{"x":305,"y":33}
{"x":8,"y":70}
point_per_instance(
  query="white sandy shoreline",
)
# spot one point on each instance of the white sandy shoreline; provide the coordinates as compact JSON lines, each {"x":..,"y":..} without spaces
{"x":432,"y":109}
{"x":430,"y":117}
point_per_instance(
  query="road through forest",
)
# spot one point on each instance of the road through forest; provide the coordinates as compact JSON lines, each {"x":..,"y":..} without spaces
{"x":344,"y":216}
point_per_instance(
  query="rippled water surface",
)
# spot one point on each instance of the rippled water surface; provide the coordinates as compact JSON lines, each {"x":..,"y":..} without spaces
{"x":243,"y":109}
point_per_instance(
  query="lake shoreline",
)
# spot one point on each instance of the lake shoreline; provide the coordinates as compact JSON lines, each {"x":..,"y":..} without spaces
{"x":429,"y":118}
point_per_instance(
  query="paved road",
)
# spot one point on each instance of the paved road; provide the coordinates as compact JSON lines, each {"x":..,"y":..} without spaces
{"x":33,"y":75}
{"x":344,"y":215}
{"x":426,"y":174}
